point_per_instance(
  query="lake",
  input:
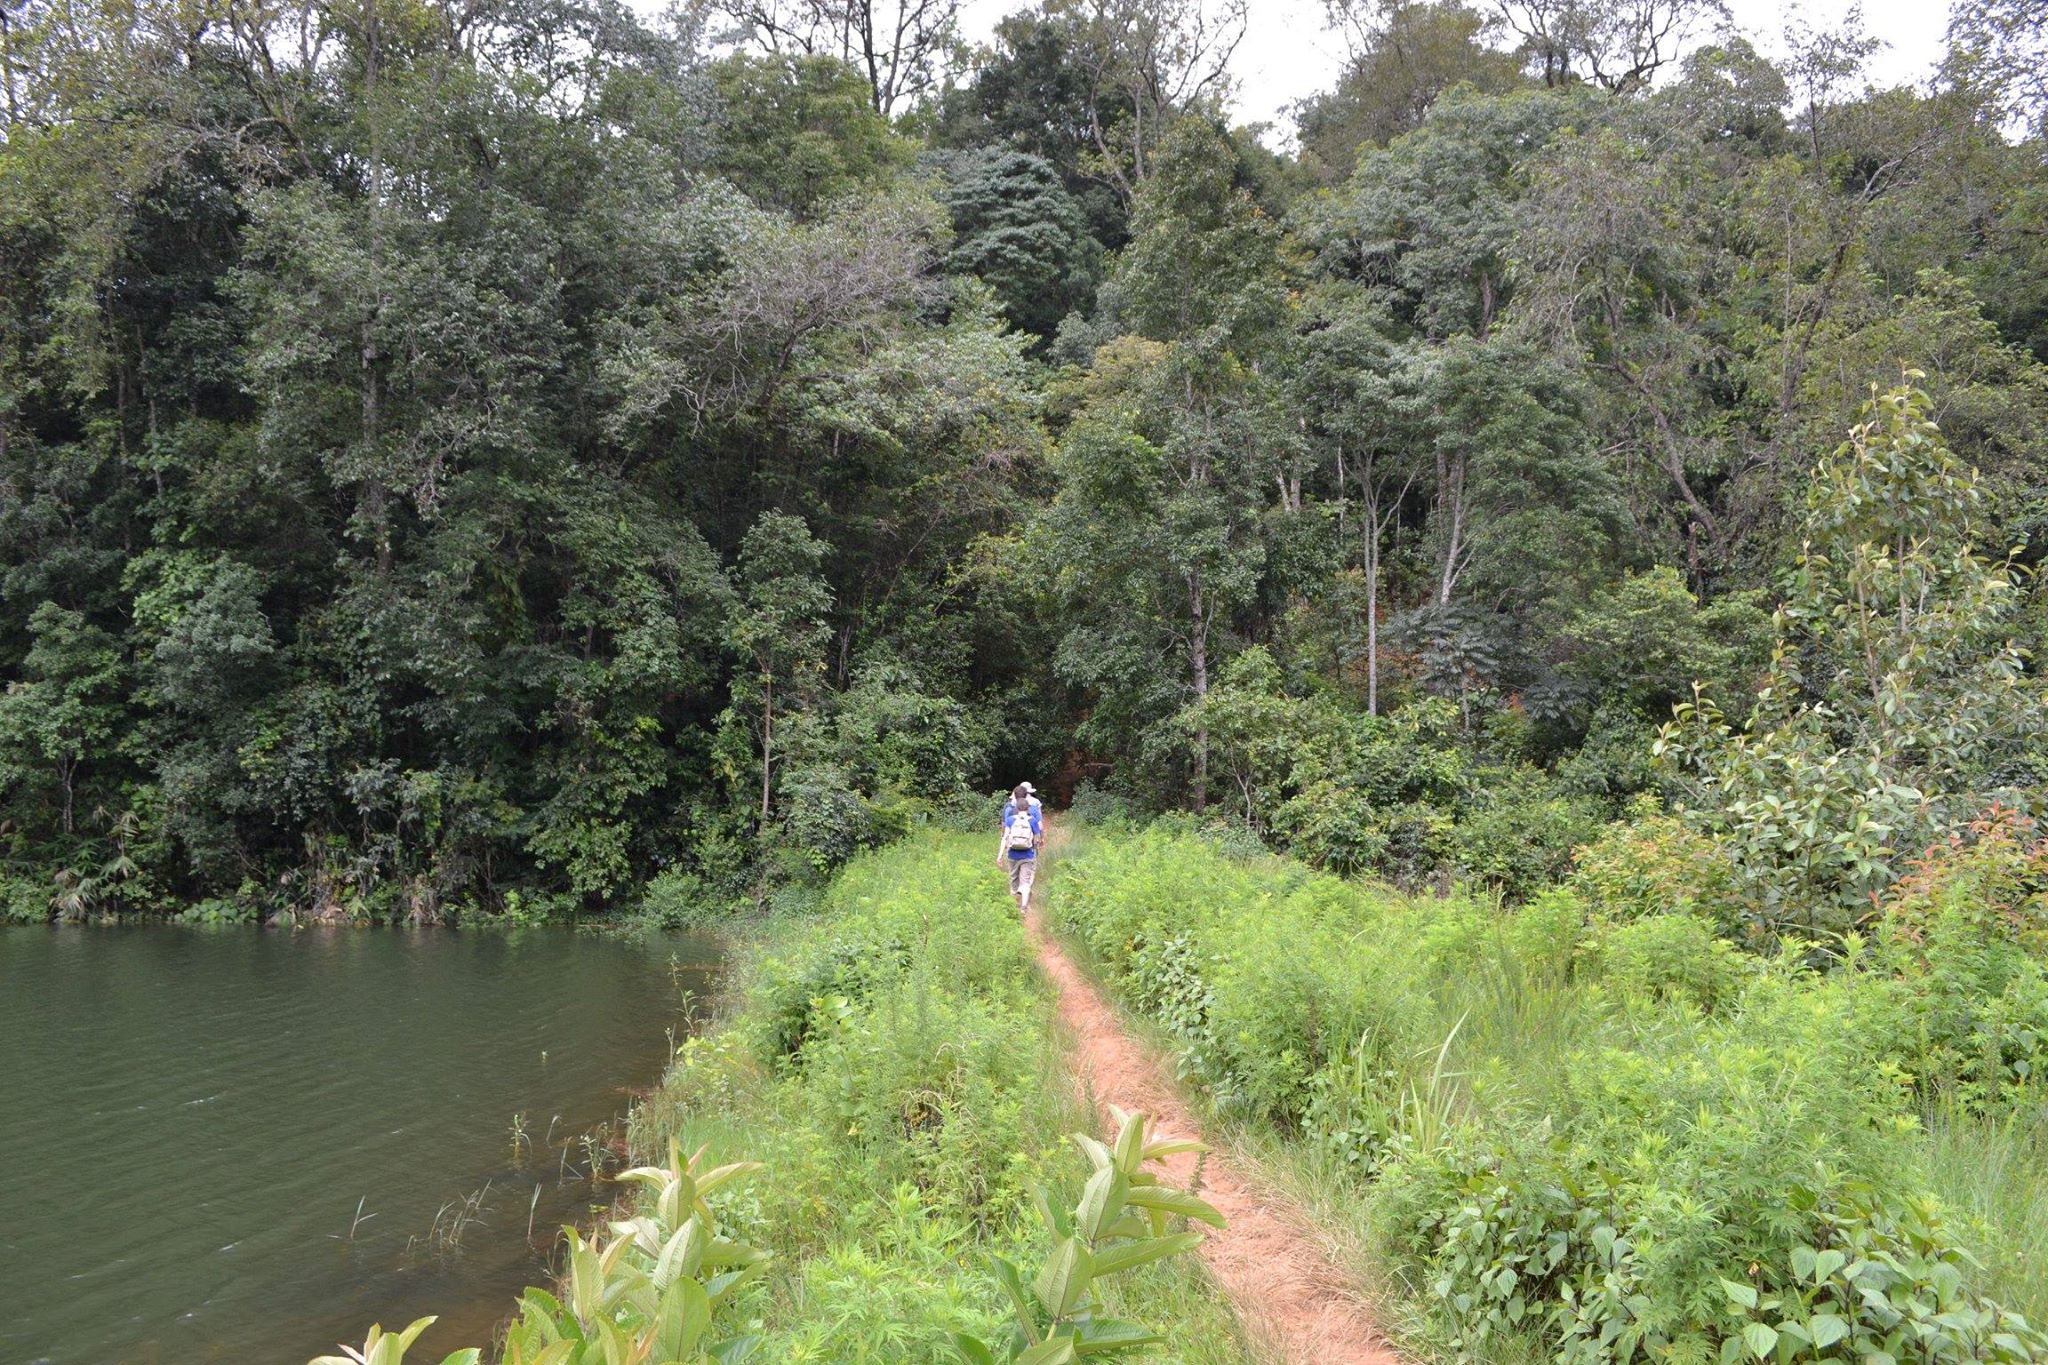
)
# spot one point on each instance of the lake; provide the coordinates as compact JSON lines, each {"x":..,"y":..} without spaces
{"x":192,"y":1121}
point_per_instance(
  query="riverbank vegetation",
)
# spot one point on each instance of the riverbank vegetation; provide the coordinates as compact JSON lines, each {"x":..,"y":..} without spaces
{"x":523,"y":459}
{"x":894,"y":1063}
{"x":884,"y":1108}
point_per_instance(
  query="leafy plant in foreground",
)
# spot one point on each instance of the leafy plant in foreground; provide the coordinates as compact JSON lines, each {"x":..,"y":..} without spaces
{"x":1882,"y":1286}
{"x":1119,"y":1224}
{"x":389,"y":1348}
{"x":650,"y":1293}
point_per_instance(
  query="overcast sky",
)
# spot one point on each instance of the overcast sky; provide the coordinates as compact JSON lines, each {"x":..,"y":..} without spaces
{"x":1288,"y":54}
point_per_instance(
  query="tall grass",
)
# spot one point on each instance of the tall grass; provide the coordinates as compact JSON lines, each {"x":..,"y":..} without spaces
{"x":890,"y":1078}
{"x":1564,"y":1136}
{"x":1994,"y":1170}
{"x":893,"y":1063}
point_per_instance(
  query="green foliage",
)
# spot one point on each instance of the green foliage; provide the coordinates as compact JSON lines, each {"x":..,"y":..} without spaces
{"x":1991,"y":1171}
{"x":1119,"y":1225}
{"x":677,"y":899}
{"x":1656,"y":864}
{"x":59,"y":718}
{"x":798,"y":132}
{"x":1430,"y":213}
{"x":653,"y":1288}
{"x":1646,"y":641}
{"x":1882,"y":1281}
{"x":1965,"y":934}
{"x":777,"y":627}
{"x":1575,"y":1131}
{"x":892,"y":1059}
{"x":389,"y":1348}
{"x":1669,"y":958}
{"x":1896,"y":706}
{"x":1018,"y":230}
{"x":1411,"y":56}
{"x":582,"y":450}
{"x":1518,"y":831}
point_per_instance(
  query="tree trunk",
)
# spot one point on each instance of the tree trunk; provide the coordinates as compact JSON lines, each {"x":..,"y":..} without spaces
{"x":1452,"y":504}
{"x":1198,"y":661}
{"x":1372,"y":635}
{"x":376,"y":498}
{"x":767,"y":744}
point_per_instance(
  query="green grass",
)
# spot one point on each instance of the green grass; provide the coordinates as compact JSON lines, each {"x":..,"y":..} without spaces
{"x":894,"y":1062}
{"x":1995,"y":1172}
{"x":1541,"y":1133}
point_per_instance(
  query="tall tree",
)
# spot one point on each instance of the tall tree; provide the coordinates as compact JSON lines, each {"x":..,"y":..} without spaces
{"x":1403,"y":55}
{"x":1618,"y":44}
{"x":901,"y":48}
{"x":1430,"y":218}
{"x":60,"y":717}
{"x":1018,"y":230}
{"x":1176,"y":442}
{"x":1345,"y":386}
{"x":2001,"y":48}
{"x":777,"y":628}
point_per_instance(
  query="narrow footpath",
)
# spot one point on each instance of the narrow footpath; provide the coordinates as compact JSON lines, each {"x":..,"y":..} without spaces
{"x":1289,"y":1295}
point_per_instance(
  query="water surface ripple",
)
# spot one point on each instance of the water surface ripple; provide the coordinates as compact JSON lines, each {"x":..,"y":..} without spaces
{"x":191,"y":1117}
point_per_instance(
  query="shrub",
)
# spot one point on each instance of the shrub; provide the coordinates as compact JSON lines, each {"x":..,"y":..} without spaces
{"x":1100,"y":808}
{"x":1119,"y":1224}
{"x":934,"y":1088}
{"x":1881,"y":1280}
{"x":967,"y":812}
{"x":1668,"y":959}
{"x":1993,"y":873}
{"x":1975,"y":1009}
{"x":1656,"y":864}
{"x":1605,"y":1231}
{"x":676,"y":899}
{"x":1519,"y":830}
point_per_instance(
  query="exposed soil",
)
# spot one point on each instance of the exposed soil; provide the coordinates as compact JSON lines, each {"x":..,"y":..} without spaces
{"x":1287,"y":1293}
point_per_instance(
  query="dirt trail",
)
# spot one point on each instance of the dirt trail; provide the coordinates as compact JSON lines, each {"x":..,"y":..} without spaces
{"x":1288,"y":1294}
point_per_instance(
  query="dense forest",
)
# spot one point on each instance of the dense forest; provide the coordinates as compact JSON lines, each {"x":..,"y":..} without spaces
{"x":523,"y":457}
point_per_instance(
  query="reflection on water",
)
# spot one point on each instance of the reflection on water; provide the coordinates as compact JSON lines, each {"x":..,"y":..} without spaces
{"x":193,"y":1119}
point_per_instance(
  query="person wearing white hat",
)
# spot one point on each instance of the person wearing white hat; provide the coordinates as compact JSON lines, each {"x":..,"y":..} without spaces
{"x":1023,"y":835}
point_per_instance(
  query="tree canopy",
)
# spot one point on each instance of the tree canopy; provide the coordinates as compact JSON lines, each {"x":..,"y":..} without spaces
{"x":448,"y":450}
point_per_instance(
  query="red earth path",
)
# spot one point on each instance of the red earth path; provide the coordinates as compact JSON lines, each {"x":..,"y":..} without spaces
{"x":1291,"y":1298}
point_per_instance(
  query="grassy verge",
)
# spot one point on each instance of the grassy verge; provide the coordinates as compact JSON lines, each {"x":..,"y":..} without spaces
{"x":1994,"y":1171}
{"x":893,"y":1063}
{"x":1557,"y":1135}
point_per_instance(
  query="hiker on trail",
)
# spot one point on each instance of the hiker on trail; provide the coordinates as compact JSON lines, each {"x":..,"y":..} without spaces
{"x":1023,"y":836}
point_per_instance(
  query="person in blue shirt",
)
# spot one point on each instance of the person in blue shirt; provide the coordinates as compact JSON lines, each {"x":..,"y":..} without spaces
{"x":1023,"y":836}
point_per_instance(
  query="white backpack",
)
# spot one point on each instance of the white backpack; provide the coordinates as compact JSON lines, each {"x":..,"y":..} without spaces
{"x":1020,"y":835}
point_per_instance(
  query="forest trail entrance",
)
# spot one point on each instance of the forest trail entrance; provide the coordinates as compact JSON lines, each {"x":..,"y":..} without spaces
{"x":1289,"y":1295}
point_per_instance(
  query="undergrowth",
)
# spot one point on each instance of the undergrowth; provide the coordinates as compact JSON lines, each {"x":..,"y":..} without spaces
{"x":892,"y":1063}
{"x":884,"y":1115}
{"x":1578,"y":1133}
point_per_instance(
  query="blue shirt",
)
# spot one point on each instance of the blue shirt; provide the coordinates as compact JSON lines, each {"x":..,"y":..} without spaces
{"x":1037,"y":823}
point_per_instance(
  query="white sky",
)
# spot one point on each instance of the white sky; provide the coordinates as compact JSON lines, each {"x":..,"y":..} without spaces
{"x":1288,"y":54}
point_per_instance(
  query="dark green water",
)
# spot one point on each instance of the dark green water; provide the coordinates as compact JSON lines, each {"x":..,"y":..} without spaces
{"x":188,"y":1119}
